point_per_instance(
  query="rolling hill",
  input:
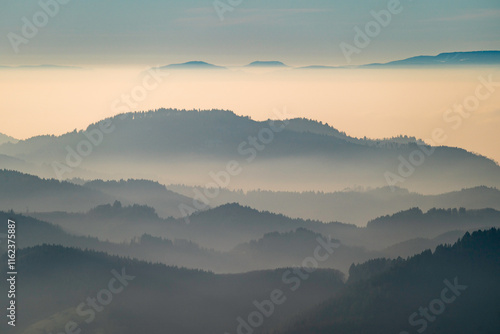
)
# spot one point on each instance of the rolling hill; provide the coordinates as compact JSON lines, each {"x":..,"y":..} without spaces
{"x":23,"y":192}
{"x":178,"y":146}
{"x":192,"y":65}
{"x":273,"y":63}
{"x":152,"y":297}
{"x":353,"y":206}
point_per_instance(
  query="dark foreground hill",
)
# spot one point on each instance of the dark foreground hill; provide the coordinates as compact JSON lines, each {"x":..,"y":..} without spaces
{"x":453,"y":290}
{"x":62,"y":288}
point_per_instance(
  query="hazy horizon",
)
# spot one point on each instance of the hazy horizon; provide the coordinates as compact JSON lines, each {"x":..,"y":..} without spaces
{"x":288,"y":30}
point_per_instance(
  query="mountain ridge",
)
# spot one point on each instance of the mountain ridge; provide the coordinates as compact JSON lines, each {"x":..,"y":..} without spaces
{"x":272,"y":63}
{"x":187,"y":145}
{"x":446,"y":59}
{"x":457,"y":58}
{"x":194,"y":64}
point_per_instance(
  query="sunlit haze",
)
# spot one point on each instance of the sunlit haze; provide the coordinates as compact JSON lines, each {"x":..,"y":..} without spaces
{"x":375,"y":103}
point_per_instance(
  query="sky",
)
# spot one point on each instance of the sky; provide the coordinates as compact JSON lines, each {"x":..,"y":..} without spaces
{"x":298,"y":32}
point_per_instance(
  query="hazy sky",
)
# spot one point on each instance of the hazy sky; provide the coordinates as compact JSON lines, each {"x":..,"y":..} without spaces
{"x":294,"y":31}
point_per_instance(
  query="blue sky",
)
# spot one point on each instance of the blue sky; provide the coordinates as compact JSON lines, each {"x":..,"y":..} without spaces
{"x":297,"y":32}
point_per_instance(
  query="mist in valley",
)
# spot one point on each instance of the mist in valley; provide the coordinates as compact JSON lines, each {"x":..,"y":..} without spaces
{"x":255,"y":196}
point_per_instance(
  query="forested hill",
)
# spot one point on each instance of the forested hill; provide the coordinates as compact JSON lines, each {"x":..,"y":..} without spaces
{"x":389,"y":297}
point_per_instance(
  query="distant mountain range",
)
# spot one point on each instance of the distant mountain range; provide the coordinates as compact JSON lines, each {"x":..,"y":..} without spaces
{"x":266,"y":64}
{"x":201,"y":65}
{"x":447,"y":59}
{"x":192,"y":65}
{"x":466,"y":58}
